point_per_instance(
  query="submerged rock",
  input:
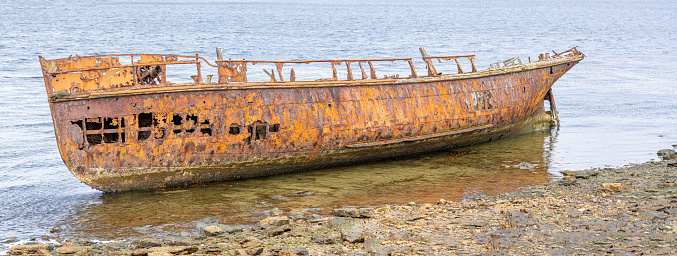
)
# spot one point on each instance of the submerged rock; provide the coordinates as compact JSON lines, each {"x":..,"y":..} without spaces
{"x":275,"y":221}
{"x":352,"y":212}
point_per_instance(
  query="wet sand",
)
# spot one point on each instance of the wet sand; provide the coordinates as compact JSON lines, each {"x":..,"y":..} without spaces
{"x":630,"y":210}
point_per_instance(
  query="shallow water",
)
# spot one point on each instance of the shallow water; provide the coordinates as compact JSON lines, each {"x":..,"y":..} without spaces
{"x":617,"y":106}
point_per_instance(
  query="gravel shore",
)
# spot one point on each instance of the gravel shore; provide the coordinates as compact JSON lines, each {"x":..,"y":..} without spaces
{"x":631,"y":210}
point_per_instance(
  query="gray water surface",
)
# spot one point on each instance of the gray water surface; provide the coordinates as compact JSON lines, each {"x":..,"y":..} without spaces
{"x":616,"y":107}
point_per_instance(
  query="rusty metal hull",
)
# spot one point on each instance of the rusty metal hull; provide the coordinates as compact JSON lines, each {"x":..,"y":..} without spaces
{"x":182,"y":135}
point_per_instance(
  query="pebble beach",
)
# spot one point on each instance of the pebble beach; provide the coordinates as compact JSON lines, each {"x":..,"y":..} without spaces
{"x":629,"y":210}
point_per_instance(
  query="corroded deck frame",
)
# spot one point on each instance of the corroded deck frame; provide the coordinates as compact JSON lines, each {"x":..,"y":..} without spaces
{"x":129,"y":129}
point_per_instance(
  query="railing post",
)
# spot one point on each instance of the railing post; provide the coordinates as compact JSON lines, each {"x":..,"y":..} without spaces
{"x":458,"y":65}
{"x":279,"y":65}
{"x":350,"y":71}
{"x":333,"y":69}
{"x":364,"y":75}
{"x":199,"y":72}
{"x":472,"y":62}
{"x":413,"y":70}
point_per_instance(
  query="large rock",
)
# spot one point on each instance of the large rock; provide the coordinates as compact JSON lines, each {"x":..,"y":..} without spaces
{"x":213,"y":231}
{"x":667,"y":154}
{"x":30,"y":249}
{"x":357,"y":232}
{"x":647,"y":214}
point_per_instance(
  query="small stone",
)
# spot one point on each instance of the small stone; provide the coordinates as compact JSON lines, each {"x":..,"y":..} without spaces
{"x":250,"y":242}
{"x":293,"y":252}
{"x":276,"y":231}
{"x":526,"y":166}
{"x":256,"y":251}
{"x":326,"y":238}
{"x":469,"y":223}
{"x":178,"y":241}
{"x":241,"y":252}
{"x":352,"y":212}
{"x":55,"y":230}
{"x":566,"y":182}
{"x":118,"y":245}
{"x":272,"y":212}
{"x":612,"y":187}
{"x":148,"y":243}
{"x":212,"y":231}
{"x":279,"y":198}
{"x":584,"y":176}
{"x":416,"y":217}
{"x":411,"y":204}
{"x":231,"y":229}
{"x":275,"y":221}
{"x":72,"y":250}
{"x":318,"y":220}
{"x":519,"y":219}
{"x":303,"y":193}
{"x":569,"y":173}
{"x":442,"y":201}
{"x":10,"y":240}
{"x":501,"y":240}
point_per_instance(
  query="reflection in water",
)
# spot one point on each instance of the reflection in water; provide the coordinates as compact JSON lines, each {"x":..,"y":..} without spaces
{"x":490,"y":168}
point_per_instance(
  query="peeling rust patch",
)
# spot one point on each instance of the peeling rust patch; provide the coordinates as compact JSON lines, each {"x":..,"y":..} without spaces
{"x":125,"y":127}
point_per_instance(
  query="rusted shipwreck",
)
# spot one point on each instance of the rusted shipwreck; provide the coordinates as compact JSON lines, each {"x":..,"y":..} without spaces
{"x":123,"y":126}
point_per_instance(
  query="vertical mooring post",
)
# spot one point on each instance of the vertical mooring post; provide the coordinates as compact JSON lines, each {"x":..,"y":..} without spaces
{"x":219,"y":53}
{"x":553,"y":109}
{"x":428,"y":63}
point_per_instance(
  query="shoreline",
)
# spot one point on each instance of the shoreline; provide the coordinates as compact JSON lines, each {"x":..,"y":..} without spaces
{"x":625,"y":210}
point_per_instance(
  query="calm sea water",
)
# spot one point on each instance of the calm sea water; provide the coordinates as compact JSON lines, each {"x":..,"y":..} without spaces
{"x":617,"y":106}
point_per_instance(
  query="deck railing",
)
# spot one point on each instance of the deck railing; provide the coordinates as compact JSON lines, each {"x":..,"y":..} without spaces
{"x":231,"y":71}
{"x":80,"y":74}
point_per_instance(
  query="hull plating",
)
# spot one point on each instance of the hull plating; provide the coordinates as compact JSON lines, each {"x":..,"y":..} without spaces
{"x":164,"y":138}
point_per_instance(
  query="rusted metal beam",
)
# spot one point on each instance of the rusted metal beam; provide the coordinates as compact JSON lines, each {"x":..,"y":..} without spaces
{"x":428,"y":60}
